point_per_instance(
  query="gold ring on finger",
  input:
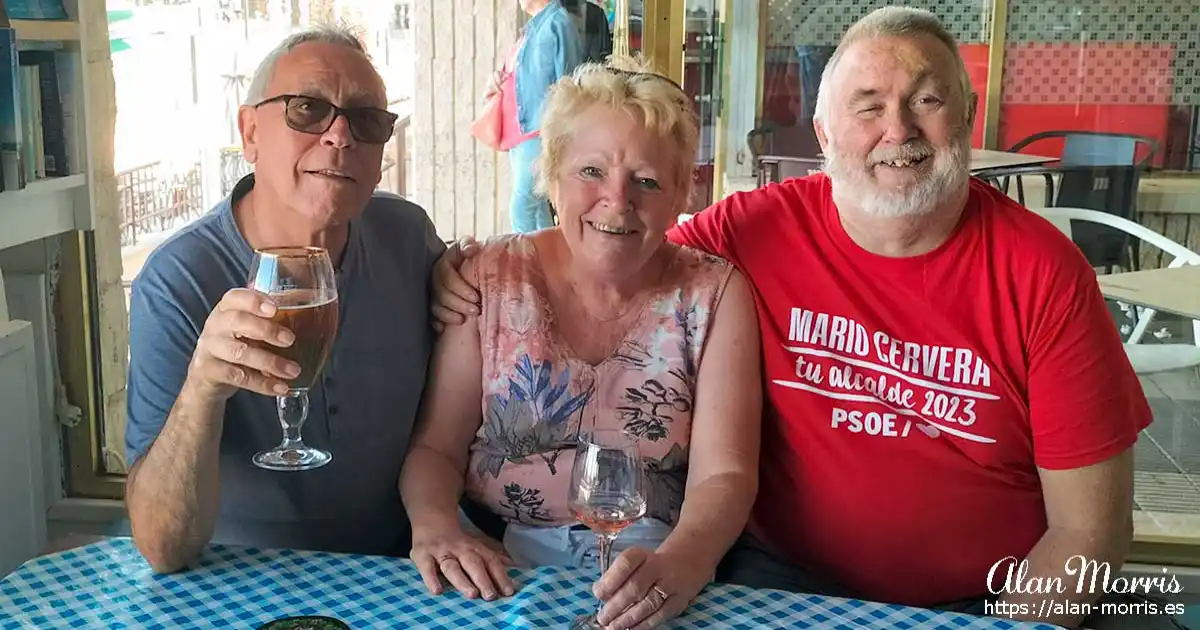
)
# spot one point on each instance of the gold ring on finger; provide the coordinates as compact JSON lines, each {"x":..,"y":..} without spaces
{"x":661,"y":593}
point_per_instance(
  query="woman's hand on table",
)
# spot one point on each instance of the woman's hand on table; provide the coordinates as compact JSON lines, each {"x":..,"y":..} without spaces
{"x":634,"y":587}
{"x":472,"y":565}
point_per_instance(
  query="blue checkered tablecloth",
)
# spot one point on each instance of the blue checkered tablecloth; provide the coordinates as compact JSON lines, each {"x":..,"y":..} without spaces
{"x":108,"y":585}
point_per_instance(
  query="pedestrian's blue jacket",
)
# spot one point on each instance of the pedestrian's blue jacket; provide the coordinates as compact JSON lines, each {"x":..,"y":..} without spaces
{"x":553,"y":47}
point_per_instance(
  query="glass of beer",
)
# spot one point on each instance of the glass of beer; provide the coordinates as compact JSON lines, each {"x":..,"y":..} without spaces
{"x":607,"y":493}
{"x":300,"y":281}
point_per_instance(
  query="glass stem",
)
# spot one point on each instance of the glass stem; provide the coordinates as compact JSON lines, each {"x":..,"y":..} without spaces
{"x":604,"y":543}
{"x":293,"y":410}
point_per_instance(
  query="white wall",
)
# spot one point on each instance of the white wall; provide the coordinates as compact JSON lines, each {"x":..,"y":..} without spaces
{"x":28,"y":300}
{"x":23,"y":518}
{"x":30,"y":452}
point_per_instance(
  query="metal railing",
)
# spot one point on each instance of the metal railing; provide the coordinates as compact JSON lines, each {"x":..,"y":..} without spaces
{"x":396,"y":161}
{"x":233,"y":168}
{"x":152,"y":200}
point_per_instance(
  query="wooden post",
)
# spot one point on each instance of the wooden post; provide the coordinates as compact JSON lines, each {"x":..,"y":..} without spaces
{"x":459,"y":44}
{"x":402,"y":158}
{"x":113,"y":333}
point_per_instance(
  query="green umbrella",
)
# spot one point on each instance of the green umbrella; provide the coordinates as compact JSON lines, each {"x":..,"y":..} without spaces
{"x":116,"y":16}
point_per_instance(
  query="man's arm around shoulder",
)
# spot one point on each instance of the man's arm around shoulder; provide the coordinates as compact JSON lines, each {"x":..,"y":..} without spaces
{"x":725,"y":229}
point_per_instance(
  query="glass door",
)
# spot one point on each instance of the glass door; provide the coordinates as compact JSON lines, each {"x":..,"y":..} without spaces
{"x":685,"y":41}
{"x":703,"y":80}
{"x":625,"y":21}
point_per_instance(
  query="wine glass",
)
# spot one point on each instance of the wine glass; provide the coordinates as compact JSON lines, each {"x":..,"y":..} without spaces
{"x":607,"y":493}
{"x":300,"y":281}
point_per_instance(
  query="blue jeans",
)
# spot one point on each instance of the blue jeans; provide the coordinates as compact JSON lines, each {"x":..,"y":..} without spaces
{"x":527,"y":211}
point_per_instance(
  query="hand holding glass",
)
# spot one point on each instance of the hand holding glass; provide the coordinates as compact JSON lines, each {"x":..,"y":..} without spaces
{"x":607,"y":493}
{"x":301,"y":282}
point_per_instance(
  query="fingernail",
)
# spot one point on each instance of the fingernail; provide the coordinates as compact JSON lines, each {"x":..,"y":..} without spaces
{"x":292,"y":370}
{"x":267,"y":308}
{"x":471,"y":594}
{"x":287,"y":337}
{"x":281,"y":389}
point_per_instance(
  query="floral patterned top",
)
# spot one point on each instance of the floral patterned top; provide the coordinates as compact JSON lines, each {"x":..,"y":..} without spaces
{"x":538,"y":394}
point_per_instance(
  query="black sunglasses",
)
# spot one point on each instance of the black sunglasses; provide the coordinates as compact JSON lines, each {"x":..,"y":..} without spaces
{"x":309,"y":114}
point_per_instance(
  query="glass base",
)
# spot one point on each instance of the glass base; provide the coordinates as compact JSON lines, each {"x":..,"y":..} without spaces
{"x":292,"y":458}
{"x":586,"y":622}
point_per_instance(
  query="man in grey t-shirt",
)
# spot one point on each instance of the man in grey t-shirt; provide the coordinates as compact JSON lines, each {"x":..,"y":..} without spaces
{"x":201,"y":399}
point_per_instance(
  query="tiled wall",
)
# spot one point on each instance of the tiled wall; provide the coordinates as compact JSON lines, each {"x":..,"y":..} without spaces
{"x":1129,"y":66}
{"x":1096,"y":73}
{"x":822,"y":22}
{"x":1172,"y":27}
{"x":1049,"y":40}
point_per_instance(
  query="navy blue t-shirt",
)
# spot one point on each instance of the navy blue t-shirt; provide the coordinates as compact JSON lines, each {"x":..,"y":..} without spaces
{"x":362,"y":409}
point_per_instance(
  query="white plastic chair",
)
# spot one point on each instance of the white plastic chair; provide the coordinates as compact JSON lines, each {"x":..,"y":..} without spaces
{"x":1151,"y":358}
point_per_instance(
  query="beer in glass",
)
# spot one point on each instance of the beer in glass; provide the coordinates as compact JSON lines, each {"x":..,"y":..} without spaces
{"x":300,"y":281}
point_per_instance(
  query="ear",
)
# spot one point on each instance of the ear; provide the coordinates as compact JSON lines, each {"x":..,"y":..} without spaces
{"x":822,"y":139}
{"x":247,"y":121}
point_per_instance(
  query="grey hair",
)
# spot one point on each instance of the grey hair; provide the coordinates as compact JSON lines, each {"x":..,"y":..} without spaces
{"x":339,"y":35}
{"x":891,"y":22}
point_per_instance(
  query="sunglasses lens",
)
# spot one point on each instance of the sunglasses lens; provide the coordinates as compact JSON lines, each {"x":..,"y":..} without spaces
{"x":314,"y":115}
{"x":308,"y":114}
{"x":371,"y":125}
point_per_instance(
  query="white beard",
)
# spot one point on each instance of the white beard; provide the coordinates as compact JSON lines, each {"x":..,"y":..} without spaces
{"x":854,"y":186}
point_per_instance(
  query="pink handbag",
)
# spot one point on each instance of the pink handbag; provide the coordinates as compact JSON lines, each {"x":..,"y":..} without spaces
{"x":488,"y":127}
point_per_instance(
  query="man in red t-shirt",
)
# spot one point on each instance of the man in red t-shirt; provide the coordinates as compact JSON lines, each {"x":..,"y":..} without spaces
{"x":945,"y":386}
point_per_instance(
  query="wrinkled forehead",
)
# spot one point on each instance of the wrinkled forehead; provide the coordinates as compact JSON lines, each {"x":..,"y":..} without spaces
{"x":895,"y":61}
{"x":335,"y":72}
{"x":602,"y":126}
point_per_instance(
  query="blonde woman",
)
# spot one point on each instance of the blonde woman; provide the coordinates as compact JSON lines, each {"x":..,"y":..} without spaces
{"x":595,"y":323}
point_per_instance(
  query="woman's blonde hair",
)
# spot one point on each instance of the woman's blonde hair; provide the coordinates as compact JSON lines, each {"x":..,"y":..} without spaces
{"x":625,"y":84}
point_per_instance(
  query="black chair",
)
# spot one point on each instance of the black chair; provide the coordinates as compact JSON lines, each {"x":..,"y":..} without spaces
{"x":1098,"y":171}
{"x":760,"y":141}
{"x":770,"y":139}
{"x":1097,"y":148}
{"x":776,"y":168}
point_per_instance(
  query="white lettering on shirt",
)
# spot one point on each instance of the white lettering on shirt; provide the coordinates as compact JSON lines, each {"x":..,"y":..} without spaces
{"x":937,"y":387}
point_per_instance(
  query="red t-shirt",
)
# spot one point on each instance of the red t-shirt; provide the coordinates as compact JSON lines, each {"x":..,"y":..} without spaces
{"x":910,"y":401}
